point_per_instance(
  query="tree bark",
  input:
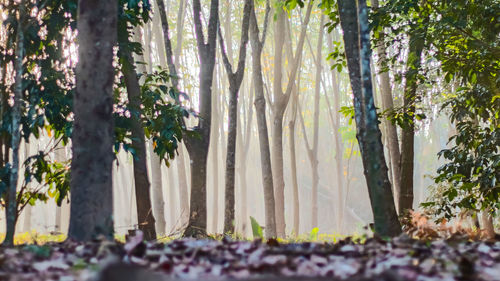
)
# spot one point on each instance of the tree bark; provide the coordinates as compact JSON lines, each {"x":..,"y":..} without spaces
{"x":408,"y":132}
{"x":198,"y":146}
{"x":260,"y":109}
{"x":244,"y":144}
{"x":293,"y":164}
{"x":93,"y":133}
{"x":145,"y":218}
{"x":11,"y":202}
{"x":358,"y":52}
{"x":235,"y":79}
{"x":278,"y":109}
{"x":391,"y":130}
{"x":216,"y":131}
{"x":157,"y":187}
{"x":339,"y":145}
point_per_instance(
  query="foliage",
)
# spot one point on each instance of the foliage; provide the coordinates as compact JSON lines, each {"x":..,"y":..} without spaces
{"x":48,"y":85}
{"x":161,"y":115}
{"x":256,"y":228}
{"x":48,"y":88}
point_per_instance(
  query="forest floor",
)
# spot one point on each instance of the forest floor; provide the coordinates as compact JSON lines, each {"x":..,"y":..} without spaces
{"x":402,"y":258}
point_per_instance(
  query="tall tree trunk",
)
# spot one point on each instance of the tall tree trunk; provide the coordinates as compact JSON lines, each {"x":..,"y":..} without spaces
{"x":279,"y":106}
{"x":158,"y":204}
{"x":214,"y":143}
{"x":358,"y":54}
{"x":198,"y":146}
{"x":59,"y":156}
{"x":408,"y":132}
{"x":293,"y":164}
{"x":339,"y":145}
{"x":235,"y":79}
{"x":244,"y":144}
{"x":173,"y":63}
{"x":93,"y":133}
{"x":173,"y":219}
{"x":260,"y":109}
{"x":157,"y":187}
{"x":391,"y":130}
{"x":278,"y":111}
{"x":11,"y":202}
{"x":145,"y":218}
{"x":313,"y":152}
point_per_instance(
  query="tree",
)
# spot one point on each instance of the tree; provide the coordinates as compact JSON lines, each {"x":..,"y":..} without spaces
{"x":11,"y":208}
{"x":145,"y":216}
{"x":312,"y":148}
{"x":172,"y":58}
{"x":390,"y":127}
{"x":356,"y":35}
{"x":235,"y":79}
{"x":257,"y":41}
{"x":93,"y":134}
{"x":198,"y":145}
{"x":279,"y":105}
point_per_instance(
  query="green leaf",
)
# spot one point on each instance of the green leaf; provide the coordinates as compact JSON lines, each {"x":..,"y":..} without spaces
{"x":256,"y":228}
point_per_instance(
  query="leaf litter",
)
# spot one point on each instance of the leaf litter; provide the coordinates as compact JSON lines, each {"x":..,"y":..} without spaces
{"x":402,"y":258}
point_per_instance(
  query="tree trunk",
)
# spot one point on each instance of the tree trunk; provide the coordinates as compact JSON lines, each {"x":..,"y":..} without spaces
{"x":145,"y":218}
{"x":235,"y":79}
{"x":279,"y":106}
{"x":314,"y":149}
{"x":59,"y":156}
{"x":408,"y":134}
{"x":214,"y":142}
{"x":260,"y":109}
{"x":198,"y":146}
{"x":358,"y":54}
{"x":93,"y":133}
{"x":339,"y":146}
{"x":244,"y":144}
{"x":278,"y":110}
{"x":11,"y":202}
{"x":293,"y":166}
{"x":157,"y":186}
{"x":391,"y":130}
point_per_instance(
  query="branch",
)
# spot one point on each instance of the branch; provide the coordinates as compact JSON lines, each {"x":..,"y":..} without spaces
{"x":266,"y":23}
{"x":198,"y":28}
{"x":225,"y":59}
{"x":244,"y":39}
{"x":298,"y":52}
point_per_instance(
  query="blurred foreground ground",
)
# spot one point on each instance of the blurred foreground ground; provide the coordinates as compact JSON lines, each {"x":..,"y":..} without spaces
{"x":403,"y":258}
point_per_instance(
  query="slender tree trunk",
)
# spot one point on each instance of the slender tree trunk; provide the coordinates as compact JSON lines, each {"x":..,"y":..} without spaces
{"x":339,"y":145}
{"x":157,"y":187}
{"x":198,"y":146}
{"x":391,"y":130}
{"x":93,"y":133}
{"x":215,"y":155}
{"x":11,"y":202}
{"x":279,"y":106}
{"x":278,"y":110}
{"x":260,"y":109}
{"x":235,"y":79}
{"x":244,"y":144}
{"x":173,"y":219}
{"x":358,"y":54}
{"x":314,"y":149}
{"x":408,"y":132}
{"x":59,"y":156}
{"x":145,"y":218}
{"x":293,"y":165}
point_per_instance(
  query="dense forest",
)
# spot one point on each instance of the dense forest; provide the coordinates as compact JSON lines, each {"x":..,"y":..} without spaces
{"x":147,"y":123}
